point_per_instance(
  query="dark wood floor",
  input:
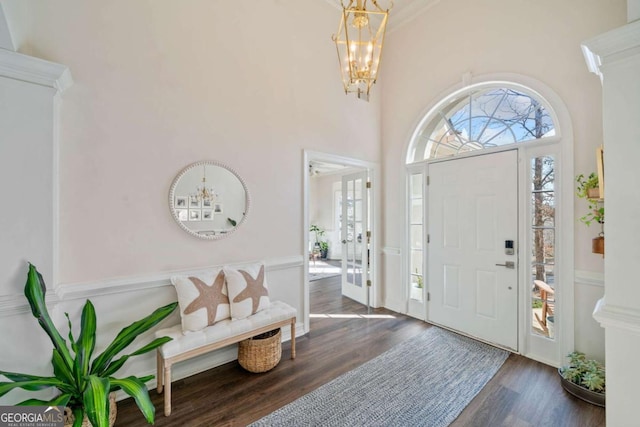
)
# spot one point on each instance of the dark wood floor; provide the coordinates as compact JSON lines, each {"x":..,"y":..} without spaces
{"x":522,"y":393}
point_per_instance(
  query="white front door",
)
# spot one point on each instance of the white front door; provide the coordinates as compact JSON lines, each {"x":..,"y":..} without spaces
{"x":473,"y":212}
{"x":354,"y":227}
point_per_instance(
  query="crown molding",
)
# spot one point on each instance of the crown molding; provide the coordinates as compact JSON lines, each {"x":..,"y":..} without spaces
{"x":611,"y":46}
{"x":26,"y":68}
{"x":401,"y":12}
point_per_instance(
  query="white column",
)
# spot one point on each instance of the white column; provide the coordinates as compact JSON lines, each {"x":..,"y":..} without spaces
{"x":616,"y":57}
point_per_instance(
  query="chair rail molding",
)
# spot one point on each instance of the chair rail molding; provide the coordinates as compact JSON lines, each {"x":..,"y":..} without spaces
{"x":69,"y":291}
{"x":611,"y":316}
{"x":387,"y":250}
{"x":593,"y":278}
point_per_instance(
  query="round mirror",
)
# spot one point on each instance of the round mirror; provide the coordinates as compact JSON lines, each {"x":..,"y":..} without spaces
{"x":209,"y":200}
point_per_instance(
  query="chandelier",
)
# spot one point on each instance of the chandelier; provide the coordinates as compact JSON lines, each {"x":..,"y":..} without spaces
{"x":359,"y":43}
{"x":204,"y":193}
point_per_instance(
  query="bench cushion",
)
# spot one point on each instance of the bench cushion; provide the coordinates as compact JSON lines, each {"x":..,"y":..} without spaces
{"x":183,"y":342}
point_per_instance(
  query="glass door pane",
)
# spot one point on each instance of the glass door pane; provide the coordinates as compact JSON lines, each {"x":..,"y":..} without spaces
{"x":543,"y":211}
{"x":416,"y":237}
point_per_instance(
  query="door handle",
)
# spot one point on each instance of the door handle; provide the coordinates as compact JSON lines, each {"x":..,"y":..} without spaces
{"x":508,"y":264}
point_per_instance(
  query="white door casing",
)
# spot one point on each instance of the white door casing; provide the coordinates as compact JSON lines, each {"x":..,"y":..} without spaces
{"x":355,"y":224}
{"x":473,"y":210}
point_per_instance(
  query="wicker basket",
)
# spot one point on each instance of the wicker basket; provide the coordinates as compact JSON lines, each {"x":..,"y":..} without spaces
{"x":113,"y":410}
{"x":260,"y":353}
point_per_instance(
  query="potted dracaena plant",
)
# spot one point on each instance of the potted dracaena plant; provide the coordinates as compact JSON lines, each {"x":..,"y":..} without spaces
{"x":84,"y":385}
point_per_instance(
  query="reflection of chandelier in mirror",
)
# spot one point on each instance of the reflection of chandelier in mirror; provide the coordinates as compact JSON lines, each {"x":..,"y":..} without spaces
{"x":359,"y":43}
{"x":204,"y":193}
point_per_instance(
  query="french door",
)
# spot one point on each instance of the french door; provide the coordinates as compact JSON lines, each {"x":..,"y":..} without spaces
{"x":473,"y":259}
{"x":354,"y":237}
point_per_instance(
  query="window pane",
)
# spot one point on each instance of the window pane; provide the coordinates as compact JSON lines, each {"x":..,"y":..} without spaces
{"x":543,"y":214}
{"x":416,"y":186}
{"x":482,"y":118}
{"x":416,"y":211}
{"x":416,"y":237}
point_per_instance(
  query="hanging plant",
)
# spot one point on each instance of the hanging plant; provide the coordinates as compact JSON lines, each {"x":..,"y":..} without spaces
{"x":585,"y":191}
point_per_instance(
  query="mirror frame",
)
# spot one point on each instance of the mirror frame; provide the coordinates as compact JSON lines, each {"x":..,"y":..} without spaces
{"x":172,"y":191}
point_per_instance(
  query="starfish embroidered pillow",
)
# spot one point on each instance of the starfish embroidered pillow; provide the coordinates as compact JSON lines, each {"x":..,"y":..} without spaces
{"x":248,"y":291}
{"x":203,"y":299}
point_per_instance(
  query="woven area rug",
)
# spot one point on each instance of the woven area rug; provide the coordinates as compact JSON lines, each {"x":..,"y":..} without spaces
{"x":425,"y":381}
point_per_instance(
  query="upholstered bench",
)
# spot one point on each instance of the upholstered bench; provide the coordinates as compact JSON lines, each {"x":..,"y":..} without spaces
{"x":214,"y":317}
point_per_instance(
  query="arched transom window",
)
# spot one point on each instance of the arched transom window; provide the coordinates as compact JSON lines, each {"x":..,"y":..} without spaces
{"x":478,"y":119}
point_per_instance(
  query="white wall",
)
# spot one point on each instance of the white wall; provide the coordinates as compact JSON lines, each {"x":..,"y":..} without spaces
{"x":160,"y":85}
{"x":535,"y":39}
{"x":322,"y":209}
{"x":619,"y":310}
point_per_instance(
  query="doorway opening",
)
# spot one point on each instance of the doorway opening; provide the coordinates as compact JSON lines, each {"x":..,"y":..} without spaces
{"x":520,"y":296}
{"x":339,"y":263}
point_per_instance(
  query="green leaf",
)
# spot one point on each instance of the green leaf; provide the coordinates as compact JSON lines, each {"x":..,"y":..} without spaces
{"x":96,"y":401}
{"x":114,"y":366}
{"x":31,"y":385}
{"x":85,"y":344}
{"x":61,"y":400}
{"x":127,"y":335}
{"x":78,"y":413}
{"x":71,"y":339}
{"x":135,"y":388}
{"x":35,"y":290}
{"x":62,"y":372}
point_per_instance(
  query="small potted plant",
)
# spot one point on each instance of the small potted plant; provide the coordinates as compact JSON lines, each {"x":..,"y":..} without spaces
{"x":86,"y":384}
{"x":588,"y":188}
{"x":584,"y":378}
{"x":324,"y":249}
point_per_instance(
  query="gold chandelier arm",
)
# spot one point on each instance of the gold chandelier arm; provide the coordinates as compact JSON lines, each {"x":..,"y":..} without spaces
{"x":347,"y":6}
{"x":375,"y":3}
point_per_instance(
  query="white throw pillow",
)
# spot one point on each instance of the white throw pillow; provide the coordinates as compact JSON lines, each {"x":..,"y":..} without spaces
{"x":203,"y":299}
{"x":248,"y":290}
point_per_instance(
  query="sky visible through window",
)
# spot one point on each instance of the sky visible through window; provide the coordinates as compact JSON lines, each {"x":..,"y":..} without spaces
{"x":484,"y":118}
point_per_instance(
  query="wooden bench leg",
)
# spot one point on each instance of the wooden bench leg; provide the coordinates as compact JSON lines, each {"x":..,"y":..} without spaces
{"x":167,"y":390}
{"x":293,"y":338}
{"x":159,"y":370}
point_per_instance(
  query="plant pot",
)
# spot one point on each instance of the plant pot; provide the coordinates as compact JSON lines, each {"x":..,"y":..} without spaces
{"x":597,"y":245}
{"x":113,"y":410}
{"x":324,"y":253}
{"x":593,"y":193}
{"x":582,"y":393}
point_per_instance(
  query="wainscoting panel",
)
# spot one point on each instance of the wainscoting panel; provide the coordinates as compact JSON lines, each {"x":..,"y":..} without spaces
{"x":118,"y":303}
